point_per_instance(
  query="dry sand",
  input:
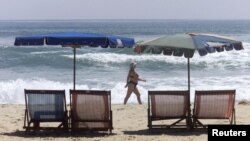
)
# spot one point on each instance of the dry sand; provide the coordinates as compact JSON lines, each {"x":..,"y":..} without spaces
{"x":130,"y":123}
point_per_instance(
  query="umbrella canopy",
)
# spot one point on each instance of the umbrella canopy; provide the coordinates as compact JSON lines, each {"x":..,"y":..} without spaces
{"x":185,"y":45}
{"x":75,"y":40}
{"x":72,"y":39}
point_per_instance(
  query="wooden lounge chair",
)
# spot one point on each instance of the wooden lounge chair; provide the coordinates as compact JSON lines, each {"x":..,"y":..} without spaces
{"x":166,"y":105}
{"x":45,"y":106}
{"x":91,"y":110}
{"x":216,"y":104}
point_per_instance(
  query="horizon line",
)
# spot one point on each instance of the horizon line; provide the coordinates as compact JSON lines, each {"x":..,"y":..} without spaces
{"x":123,"y":19}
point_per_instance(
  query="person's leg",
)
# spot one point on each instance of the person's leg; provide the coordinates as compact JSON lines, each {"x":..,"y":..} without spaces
{"x":138,"y":95}
{"x":129,"y":92}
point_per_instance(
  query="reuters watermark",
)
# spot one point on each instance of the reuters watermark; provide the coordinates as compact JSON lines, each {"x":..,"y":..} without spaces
{"x":241,"y":132}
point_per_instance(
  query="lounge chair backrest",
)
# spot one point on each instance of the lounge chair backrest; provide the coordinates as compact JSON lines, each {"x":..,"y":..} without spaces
{"x":217,"y":104}
{"x":89,"y":106}
{"x":45,"y":105}
{"x":172,"y":104}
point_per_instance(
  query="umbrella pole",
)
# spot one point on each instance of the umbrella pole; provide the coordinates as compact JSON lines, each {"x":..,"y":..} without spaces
{"x":189,"y":122}
{"x":74,"y":73}
{"x":188,"y":76}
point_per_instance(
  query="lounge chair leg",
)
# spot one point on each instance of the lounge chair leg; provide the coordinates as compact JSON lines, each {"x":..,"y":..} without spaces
{"x":65,"y":126}
{"x":36,"y":125}
{"x":150,"y":124}
{"x":194,"y":123}
{"x":188,"y":123}
{"x":150,"y":129}
{"x":234,"y":116}
{"x":198,"y":122}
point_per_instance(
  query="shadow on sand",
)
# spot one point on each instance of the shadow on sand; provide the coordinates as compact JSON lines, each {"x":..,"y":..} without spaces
{"x":172,"y":132}
{"x":56,"y":134}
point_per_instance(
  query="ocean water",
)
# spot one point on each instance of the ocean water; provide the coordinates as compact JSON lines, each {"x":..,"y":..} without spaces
{"x":51,"y":67}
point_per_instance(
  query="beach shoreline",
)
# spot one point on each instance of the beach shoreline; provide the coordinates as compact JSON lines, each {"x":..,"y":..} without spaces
{"x":129,"y":121}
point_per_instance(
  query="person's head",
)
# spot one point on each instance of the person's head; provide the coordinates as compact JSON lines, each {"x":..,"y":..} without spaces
{"x":132,"y":66}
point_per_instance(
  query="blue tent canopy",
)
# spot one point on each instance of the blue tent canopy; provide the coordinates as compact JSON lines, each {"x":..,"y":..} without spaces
{"x":76,"y":39}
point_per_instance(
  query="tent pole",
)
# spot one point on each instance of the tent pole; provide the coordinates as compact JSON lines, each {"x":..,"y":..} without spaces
{"x":74,"y":73}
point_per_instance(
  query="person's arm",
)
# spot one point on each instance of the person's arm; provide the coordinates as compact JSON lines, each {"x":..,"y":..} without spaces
{"x":128,"y":76}
{"x":141,"y":79}
{"x":127,"y":79}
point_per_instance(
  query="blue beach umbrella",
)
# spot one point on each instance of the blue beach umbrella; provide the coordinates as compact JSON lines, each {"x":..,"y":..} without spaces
{"x":76,"y":40}
{"x":186,"y":44}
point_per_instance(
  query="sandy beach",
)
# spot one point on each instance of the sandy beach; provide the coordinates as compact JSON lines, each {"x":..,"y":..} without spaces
{"x":130,"y":123}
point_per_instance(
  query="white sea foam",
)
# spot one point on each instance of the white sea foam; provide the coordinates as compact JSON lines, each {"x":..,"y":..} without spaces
{"x":12,"y":92}
{"x":224,"y":59}
{"x":47,"y":52}
{"x":6,"y":42}
{"x":117,"y":58}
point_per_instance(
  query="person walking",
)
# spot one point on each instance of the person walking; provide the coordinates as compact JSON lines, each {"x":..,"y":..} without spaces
{"x":132,"y":81}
